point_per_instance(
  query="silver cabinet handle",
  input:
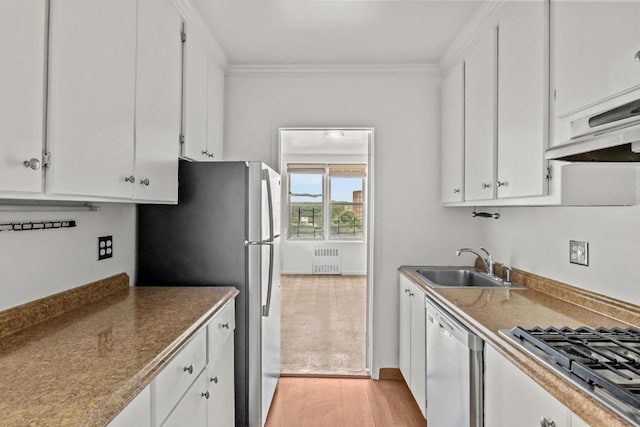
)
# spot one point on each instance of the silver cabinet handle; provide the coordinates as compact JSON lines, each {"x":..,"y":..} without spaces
{"x":411,"y":294}
{"x":545,"y":422}
{"x":205,"y":152}
{"x":32,"y":163}
{"x":206,"y":394}
{"x":456,"y":190}
{"x":214,"y":380}
{"x":637,"y":56}
{"x":145,"y":182}
{"x":406,"y":291}
{"x":188,"y":369}
{"x":501,"y":183}
{"x":485,"y":185}
{"x":211,"y":155}
{"x":225,"y":325}
{"x":131,"y":179}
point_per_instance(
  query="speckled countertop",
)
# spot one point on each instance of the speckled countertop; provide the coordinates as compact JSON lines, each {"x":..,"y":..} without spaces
{"x":487,"y":311}
{"x":85,"y":365}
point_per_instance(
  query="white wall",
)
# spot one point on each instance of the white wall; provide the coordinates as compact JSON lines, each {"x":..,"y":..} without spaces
{"x":410,"y":225}
{"x":537,"y":240}
{"x":34,"y":264}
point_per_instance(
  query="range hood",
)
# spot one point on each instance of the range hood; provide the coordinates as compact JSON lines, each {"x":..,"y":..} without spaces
{"x":609,"y":136}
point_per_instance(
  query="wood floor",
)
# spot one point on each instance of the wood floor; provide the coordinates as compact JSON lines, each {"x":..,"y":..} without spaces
{"x":343,"y":402}
{"x":323,"y":324}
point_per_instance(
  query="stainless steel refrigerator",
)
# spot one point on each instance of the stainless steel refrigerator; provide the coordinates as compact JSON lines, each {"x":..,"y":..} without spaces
{"x":225,"y":230}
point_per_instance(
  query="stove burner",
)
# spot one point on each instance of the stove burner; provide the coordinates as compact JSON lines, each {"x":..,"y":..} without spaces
{"x":605,"y":358}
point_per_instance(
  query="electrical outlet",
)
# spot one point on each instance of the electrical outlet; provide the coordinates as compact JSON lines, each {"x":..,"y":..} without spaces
{"x":578,"y":252}
{"x":105,"y":247}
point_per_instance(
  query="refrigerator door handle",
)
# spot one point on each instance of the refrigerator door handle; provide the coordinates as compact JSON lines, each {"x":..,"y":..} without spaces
{"x":267,"y":178}
{"x":267,"y":308}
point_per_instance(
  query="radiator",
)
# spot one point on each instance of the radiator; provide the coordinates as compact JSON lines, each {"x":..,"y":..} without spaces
{"x":326,"y":261}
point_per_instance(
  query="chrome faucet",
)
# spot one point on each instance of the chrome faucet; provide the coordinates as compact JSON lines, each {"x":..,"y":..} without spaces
{"x":487,"y":262}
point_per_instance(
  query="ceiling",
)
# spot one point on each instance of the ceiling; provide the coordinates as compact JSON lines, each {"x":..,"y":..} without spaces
{"x":287,"y":32}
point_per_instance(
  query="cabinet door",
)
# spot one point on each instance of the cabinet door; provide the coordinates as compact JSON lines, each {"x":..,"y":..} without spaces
{"x":593,"y":45}
{"x":137,"y":413}
{"x":418,"y":350}
{"x":404,"y":332}
{"x":158,"y":93}
{"x":90,"y":120}
{"x":513,"y":399}
{"x":22,"y":43}
{"x":480,"y":118}
{"x":452,"y":140}
{"x":220,"y":376}
{"x":195,"y":103}
{"x":192,"y":408}
{"x":522,"y":99}
{"x":215,"y":113}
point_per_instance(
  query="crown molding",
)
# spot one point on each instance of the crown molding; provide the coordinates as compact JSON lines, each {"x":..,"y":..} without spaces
{"x":478,"y":22}
{"x":194,"y":21}
{"x":330,"y":70}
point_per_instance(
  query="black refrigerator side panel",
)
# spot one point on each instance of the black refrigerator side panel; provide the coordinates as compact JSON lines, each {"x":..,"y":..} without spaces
{"x":201,"y":242}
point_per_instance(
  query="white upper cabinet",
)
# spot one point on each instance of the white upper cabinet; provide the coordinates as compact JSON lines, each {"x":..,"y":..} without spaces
{"x":522,"y":99}
{"x":594,"y":46}
{"x":22,"y":85}
{"x":480,"y":117}
{"x":452,"y":139}
{"x":90,"y":124}
{"x":195,"y":103}
{"x":158,"y":101}
{"x":215,"y":114}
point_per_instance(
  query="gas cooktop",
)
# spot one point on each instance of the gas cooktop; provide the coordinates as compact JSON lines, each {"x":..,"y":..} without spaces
{"x":604,"y":362}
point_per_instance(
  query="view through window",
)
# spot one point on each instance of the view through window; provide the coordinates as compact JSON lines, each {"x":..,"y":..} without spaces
{"x":322,"y":194}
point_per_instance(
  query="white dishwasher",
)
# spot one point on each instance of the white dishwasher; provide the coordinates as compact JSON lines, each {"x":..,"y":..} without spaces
{"x":454,"y":371}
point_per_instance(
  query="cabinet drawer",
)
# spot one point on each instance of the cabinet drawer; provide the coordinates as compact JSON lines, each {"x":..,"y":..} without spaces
{"x":220,"y":376}
{"x":192,"y":408}
{"x":178,"y":375}
{"x":220,"y":328}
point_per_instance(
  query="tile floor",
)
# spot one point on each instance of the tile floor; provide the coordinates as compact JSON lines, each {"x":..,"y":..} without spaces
{"x":323,"y":324}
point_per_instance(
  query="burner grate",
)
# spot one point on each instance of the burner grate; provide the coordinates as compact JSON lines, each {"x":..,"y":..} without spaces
{"x":605,"y":358}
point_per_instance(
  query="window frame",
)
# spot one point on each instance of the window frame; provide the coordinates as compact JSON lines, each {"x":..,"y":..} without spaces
{"x":327,"y":205}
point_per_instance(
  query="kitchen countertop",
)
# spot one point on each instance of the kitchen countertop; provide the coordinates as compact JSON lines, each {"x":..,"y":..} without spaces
{"x":486,"y":311}
{"x":83,"y":367}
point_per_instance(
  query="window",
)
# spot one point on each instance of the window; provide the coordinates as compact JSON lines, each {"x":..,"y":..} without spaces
{"x":343,"y":186}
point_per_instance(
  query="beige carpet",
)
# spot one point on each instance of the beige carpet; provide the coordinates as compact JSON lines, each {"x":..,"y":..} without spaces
{"x":323,"y":324}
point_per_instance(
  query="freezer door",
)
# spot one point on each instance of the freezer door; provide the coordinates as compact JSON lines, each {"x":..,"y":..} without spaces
{"x":270,"y":204}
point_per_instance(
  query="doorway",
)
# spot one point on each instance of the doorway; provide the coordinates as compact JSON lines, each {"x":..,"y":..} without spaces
{"x":327,"y":176}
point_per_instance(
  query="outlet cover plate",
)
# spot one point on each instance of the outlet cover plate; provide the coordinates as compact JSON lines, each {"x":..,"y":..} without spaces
{"x":105,"y":247}
{"x":579,"y":252}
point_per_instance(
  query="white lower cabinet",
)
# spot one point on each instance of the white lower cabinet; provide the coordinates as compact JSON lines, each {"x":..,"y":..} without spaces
{"x":412,"y":338}
{"x":192,"y":409}
{"x":196,"y":387}
{"x":137,"y":413}
{"x":513,"y":399}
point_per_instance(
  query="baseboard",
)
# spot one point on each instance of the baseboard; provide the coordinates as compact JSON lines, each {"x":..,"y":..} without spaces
{"x":390,"y":374}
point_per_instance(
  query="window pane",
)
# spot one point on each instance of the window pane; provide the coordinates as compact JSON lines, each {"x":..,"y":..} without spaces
{"x":346,"y":208}
{"x":305,"y":206}
{"x":305,"y":221}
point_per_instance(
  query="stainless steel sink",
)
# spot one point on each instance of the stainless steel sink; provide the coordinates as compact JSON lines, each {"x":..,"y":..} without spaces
{"x":452,"y":277}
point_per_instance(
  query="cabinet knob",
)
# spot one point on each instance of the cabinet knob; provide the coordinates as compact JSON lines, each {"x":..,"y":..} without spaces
{"x":188,"y":369}
{"x":406,"y":291}
{"x":211,"y":155}
{"x":214,"y":380}
{"x":501,"y":183}
{"x":545,"y":422}
{"x":206,"y":394}
{"x":145,"y":181}
{"x":411,"y":294}
{"x":485,"y":185}
{"x":637,"y":56}
{"x":225,"y":325}
{"x":205,"y":153}
{"x":32,"y":163}
{"x":456,"y":190}
{"x":131,"y":179}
